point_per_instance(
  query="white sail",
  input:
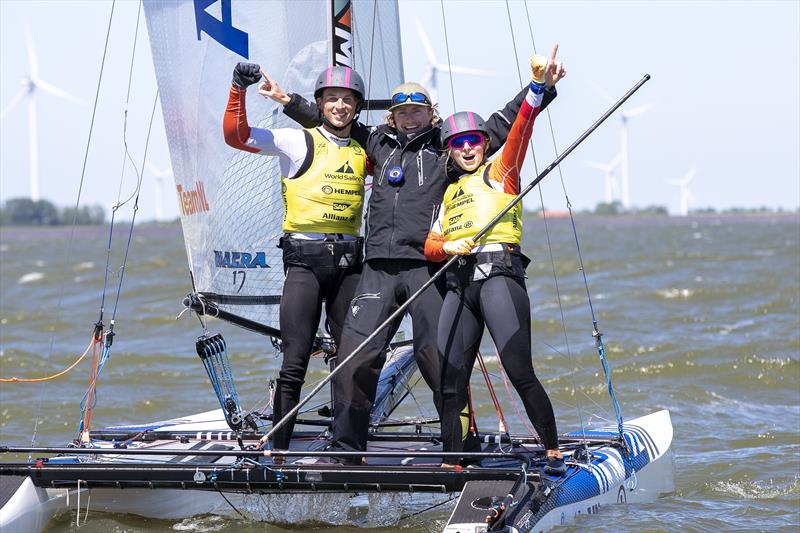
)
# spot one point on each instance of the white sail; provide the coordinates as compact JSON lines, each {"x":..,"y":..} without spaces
{"x":231,"y":208}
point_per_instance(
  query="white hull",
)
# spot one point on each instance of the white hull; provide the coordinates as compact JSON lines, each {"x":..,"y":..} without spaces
{"x":603,"y":482}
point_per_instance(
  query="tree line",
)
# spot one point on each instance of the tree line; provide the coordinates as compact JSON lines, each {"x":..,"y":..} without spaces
{"x":26,"y":212}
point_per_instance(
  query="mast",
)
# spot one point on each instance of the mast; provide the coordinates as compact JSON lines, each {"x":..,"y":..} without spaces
{"x":341,"y":33}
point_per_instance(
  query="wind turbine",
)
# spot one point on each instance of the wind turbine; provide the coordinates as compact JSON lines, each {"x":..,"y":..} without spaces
{"x":686,"y":194}
{"x":30,"y":85}
{"x":610,"y":179}
{"x":433,"y":67}
{"x":159,"y":175}
{"x":625,"y":114}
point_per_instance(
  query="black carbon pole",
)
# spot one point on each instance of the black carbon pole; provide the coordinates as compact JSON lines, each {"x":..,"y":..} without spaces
{"x":400,"y":310}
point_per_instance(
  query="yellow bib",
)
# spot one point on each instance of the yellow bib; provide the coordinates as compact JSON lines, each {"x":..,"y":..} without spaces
{"x":329,"y":196}
{"x":470,"y":204}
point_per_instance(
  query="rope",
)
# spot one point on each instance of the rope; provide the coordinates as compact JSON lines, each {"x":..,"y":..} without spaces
{"x":125,"y":157}
{"x":503,"y":428}
{"x":231,"y":504}
{"x":544,"y":214}
{"x":434,"y":506}
{"x":371,"y":52}
{"x":135,"y":210}
{"x":522,"y":419}
{"x":70,"y":239}
{"x":54,"y":376}
{"x":98,"y":361}
{"x":595,"y":328}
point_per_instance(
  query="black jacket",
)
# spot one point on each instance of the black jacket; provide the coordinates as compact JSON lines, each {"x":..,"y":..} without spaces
{"x":399,"y":217}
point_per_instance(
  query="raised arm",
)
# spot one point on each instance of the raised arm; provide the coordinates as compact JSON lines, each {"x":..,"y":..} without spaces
{"x":291,"y":145}
{"x":506,"y":168}
{"x":499,"y":124}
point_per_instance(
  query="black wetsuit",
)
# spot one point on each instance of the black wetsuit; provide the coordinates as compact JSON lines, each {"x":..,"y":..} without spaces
{"x":315,"y":271}
{"x":496,"y":297}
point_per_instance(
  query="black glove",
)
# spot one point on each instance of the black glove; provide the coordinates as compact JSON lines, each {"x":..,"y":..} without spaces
{"x":245,"y":74}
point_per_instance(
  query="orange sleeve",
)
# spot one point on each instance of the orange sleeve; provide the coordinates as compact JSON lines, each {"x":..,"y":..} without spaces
{"x":234,"y":123}
{"x":508,"y":166}
{"x":434,"y":247}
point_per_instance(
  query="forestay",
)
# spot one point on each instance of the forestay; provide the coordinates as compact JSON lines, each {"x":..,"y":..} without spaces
{"x":230,"y":202}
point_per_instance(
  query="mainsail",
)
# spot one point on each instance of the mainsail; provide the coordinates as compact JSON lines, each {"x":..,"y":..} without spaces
{"x":230,"y":201}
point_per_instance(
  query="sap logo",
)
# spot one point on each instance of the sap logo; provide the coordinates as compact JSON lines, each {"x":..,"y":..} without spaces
{"x":454,"y":219}
{"x":192,"y":201}
{"x":340,"y":206}
{"x":240,"y":260}
{"x":221,"y":31}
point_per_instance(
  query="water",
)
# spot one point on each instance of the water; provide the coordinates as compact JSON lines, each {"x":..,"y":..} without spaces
{"x":701,"y":316}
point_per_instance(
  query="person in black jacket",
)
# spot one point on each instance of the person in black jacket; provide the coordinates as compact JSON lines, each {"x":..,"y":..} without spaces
{"x":410,"y":173}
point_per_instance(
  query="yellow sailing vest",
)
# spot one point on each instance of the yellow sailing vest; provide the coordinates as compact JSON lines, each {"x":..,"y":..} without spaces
{"x":329,"y":196}
{"x":470,"y":204}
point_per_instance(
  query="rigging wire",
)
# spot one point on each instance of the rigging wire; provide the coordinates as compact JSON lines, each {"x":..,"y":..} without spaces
{"x":449,"y":67}
{"x":544,"y":217}
{"x":135,"y":210}
{"x":70,"y":239}
{"x":371,"y":53}
{"x":596,"y":334}
{"x":125,"y":157}
{"x":90,"y":399}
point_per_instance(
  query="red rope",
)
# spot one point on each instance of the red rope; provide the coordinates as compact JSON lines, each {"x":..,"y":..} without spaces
{"x":503,"y":427}
{"x":513,"y":401}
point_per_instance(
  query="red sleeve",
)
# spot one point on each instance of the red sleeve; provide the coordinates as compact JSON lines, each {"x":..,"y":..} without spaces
{"x":234,"y":124}
{"x":508,"y":166}
{"x":434,"y":247}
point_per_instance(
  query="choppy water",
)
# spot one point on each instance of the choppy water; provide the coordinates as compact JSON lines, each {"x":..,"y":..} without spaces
{"x":701,"y":316}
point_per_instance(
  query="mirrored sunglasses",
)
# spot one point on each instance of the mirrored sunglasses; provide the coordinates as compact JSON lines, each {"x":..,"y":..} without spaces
{"x":474,"y":139}
{"x":417,"y":98}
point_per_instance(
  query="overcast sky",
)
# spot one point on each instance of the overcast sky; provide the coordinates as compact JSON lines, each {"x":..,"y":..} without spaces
{"x":726,"y":80}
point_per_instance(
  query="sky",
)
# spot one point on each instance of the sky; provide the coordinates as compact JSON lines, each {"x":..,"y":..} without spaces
{"x":724,"y":95}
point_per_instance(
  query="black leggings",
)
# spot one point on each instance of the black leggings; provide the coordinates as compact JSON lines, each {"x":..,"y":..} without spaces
{"x":501,"y":303}
{"x":301,"y":303}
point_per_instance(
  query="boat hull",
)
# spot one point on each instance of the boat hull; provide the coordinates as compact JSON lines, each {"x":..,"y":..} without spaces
{"x":611,"y":477}
{"x":184,"y":485}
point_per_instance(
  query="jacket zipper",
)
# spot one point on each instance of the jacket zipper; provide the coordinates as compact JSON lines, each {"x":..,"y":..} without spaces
{"x":383,"y":168}
{"x":366,"y":229}
{"x":420,"y":173}
{"x":394,"y":209}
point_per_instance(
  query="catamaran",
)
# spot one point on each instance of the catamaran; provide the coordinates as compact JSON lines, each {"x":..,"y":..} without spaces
{"x":211,"y":462}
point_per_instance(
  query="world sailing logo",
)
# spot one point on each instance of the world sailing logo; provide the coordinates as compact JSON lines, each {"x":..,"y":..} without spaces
{"x":240,"y":259}
{"x":192,"y":201}
{"x":343,"y":173}
{"x":346,"y":168}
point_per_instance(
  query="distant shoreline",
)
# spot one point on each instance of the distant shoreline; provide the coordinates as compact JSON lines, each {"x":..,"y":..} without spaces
{"x":531,"y":219}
